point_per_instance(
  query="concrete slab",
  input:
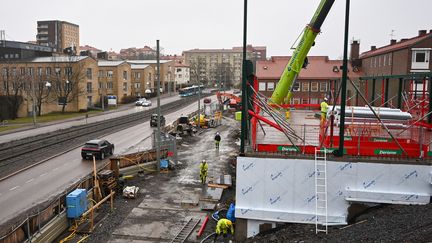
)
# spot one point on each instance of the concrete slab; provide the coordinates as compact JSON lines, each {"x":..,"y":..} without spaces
{"x":212,"y":194}
{"x":154,"y":224}
{"x":223,"y":180}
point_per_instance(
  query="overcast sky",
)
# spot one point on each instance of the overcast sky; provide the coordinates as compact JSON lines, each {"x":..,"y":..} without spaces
{"x":189,"y":24}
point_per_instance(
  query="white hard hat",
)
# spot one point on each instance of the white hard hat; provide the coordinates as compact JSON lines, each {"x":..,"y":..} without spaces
{"x":325,"y":98}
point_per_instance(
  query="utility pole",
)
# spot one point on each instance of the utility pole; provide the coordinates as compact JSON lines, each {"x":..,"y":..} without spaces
{"x":158,"y":134}
{"x":33,"y":102}
{"x":344,"y":83}
{"x":199,"y":104}
{"x":244,"y":97}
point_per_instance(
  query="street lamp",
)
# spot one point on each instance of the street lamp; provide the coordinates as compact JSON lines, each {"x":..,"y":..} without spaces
{"x":48,"y":86}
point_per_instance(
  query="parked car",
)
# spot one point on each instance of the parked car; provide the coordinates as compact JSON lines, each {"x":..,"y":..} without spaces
{"x":207,"y":100}
{"x":140,"y":101}
{"x":154,"y":119}
{"x":146,"y":103}
{"x":99,"y":148}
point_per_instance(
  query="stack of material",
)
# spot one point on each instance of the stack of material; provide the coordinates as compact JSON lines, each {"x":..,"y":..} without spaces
{"x":107,"y":181}
{"x":130,"y":191}
{"x":357,"y":115}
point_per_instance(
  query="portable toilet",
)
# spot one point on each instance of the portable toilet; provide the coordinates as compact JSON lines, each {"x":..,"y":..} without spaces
{"x":76,"y":203}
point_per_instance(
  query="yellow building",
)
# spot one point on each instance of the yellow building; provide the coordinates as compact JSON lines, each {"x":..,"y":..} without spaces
{"x":114,"y":78}
{"x":62,"y":83}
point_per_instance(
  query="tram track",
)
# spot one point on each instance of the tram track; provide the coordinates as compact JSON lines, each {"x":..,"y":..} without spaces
{"x":19,"y":154}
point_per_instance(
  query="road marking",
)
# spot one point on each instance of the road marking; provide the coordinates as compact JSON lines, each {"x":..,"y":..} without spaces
{"x":13,"y":188}
{"x":44,"y":174}
{"x":29,"y":180}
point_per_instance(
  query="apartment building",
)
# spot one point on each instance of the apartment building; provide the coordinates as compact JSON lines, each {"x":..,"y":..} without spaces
{"x":407,"y":56}
{"x":58,"y":35}
{"x":143,"y":84}
{"x":114,"y":78}
{"x":167,"y":78}
{"x":216,"y":67}
{"x":314,"y":83}
{"x":182,"y":74}
{"x":49,"y":83}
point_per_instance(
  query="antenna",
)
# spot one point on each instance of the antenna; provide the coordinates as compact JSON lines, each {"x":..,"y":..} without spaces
{"x":3,"y":37}
{"x":392,"y":34}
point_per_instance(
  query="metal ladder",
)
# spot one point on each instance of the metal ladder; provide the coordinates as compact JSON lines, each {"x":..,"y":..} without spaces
{"x":321,"y":219}
{"x":186,"y":230}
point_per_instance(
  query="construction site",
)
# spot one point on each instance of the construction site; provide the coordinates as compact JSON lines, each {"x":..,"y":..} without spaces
{"x":282,"y":172}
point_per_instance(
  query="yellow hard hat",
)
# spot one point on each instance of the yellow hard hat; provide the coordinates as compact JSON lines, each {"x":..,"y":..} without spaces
{"x":229,"y":223}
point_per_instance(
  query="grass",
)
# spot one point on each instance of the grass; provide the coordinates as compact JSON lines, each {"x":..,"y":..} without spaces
{"x":6,"y":128}
{"x":55,"y":116}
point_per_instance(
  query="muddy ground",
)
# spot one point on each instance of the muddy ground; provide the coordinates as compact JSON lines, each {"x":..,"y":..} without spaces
{"x":383,"y":223}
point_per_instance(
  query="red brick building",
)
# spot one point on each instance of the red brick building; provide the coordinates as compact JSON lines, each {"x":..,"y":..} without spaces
{"x":313,"y":83}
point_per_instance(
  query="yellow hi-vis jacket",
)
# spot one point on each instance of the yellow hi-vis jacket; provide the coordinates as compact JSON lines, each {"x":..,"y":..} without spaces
{"x":324,"y":107}
{"x":203,"y":168}
{"x":223,"y":225}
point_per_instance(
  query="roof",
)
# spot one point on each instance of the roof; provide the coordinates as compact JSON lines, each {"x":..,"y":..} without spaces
{"x":95,"y":141}
{"x":147,"y":61}
{"x":180,"y":65}
{"x":110,"y":63}
{"x":397,"y":46}
{"x":138,"y":66}
{"x":320,"y":67}
{"x":24,"y":46}
{"x":57,"y":59}
{"x":89,"y":48}
{"x":212,"y":50}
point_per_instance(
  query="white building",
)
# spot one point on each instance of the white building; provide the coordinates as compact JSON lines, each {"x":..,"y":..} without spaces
{"x":182,"y":74}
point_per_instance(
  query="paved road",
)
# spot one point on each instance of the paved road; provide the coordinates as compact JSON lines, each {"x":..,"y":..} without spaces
{"x":45,"y":181}
{"x":80,"y":121}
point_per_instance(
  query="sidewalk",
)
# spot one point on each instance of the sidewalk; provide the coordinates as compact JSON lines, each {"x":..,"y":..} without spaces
{"x":41,"y":128}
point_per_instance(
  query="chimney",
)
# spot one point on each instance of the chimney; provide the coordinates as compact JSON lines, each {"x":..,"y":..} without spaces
{"x":422,"y":32}
{"x":392,"y":41}
{"x":355,"y":50}
{"x":373,"y":48}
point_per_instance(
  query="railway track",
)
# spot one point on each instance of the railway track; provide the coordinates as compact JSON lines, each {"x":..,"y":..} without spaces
{"x":19,"y":154}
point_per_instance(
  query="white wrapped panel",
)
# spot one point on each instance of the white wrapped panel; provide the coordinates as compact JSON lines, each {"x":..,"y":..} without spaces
{"x":283,"y":190}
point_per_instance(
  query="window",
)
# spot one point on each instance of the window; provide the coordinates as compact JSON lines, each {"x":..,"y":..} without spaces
{"x":30,"y":71}
{"x":5,"y":72}
{"x":101,"y":86}
{"x":89,"y":87}
{"x":314,"y":86}
{"x":179,"y":75}
{"x":109,"y":73}
{"x":420,"y":59}
{"x":137,"y":75}
{"x":68,"y":71}
{"x":137,"y":85}
{"x":262,"y":86}
{"x":39,"y":71}
{"x":22,"y":71}
{"x":101,"y":73}
{"x":296,"y":87}
{"x":48,"y":71}
{"x":323,"y":87}
{"x":178,"y":70}
{"x":125,"y":75}
{"x":314,"y":101}
{"x":305,"y":101}
{"x":110,"y":85}
{"x":390,"y":60}
{"x":379,"y":61}
{"x":270,"y":86}
{"x":89,"y":73}
{"x":384,"y":61}
{"x":125,"y":87}
{"x":375,"y":61}
{"x":296,"y":101}
{"x":14,"y":71}
{"x":149,"y":76}
{"x":305,"y":87}
{"x":57,"y":71}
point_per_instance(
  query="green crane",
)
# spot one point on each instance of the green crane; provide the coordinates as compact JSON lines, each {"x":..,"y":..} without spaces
{"x":298,"y":60}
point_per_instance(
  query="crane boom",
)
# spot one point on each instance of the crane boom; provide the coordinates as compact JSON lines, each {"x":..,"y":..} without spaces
{"x":286,"y":81}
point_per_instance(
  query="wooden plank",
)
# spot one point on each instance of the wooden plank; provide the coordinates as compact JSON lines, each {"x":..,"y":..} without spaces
{"x":217,"y":186}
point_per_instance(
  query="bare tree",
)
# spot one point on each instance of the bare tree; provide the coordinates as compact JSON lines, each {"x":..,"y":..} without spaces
{"x":223,"y":75}
{"x":66,"y":78}
{"x":12,"y":86}
{"x":198,"y":72}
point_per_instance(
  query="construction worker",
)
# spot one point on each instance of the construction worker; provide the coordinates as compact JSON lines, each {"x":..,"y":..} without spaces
{"x":217,"y":140}
{"x":203,"y":171}
{"x":222,"y":227}
{"x":324,"y":108}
